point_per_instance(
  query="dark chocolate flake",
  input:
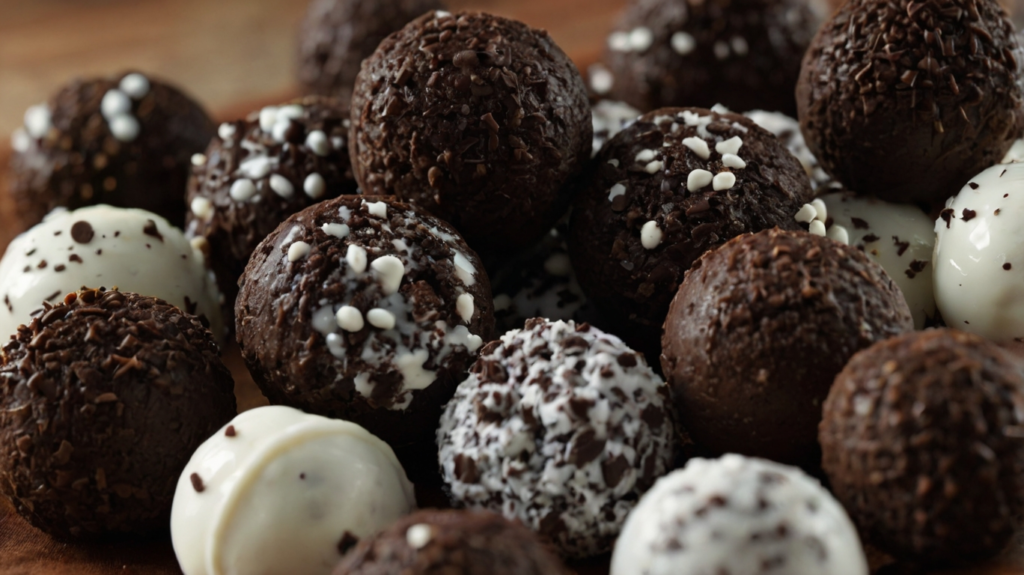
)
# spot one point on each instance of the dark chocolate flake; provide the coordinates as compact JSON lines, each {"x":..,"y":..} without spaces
{"x":859,"y":224}
{"x":347,"y":542}
{"x":82,"y":232}
{"x":197,"y":482}
{"x":1007,"y":266}
{"x":150,"y":229}
{"x":969,"y":215}
{"x":230,"y":431}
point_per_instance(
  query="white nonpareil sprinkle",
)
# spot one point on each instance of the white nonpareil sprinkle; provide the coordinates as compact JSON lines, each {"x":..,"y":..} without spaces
{"x":124,"y":128}
{"x":817,"y":228}
{"x":198,"y":159}
{"x":699,"y":147}
{"x":806,"y":214}
{"x":355,"y":257}
{"x":336,"y":230}
{"x":733,"y":161}
{"x":464,"y":306}
{"x":730,"y":146}
{"x":318,"y":143}
{"x":257,"y":167}
{"x":202,"y":208}
{"x":37,"y":120}
{"x":651,"y":235}
{"x":268,"y":117}
{"x":115,"y":103}
{"x":419,"y":535}
{"x":381,"y":318}
{"x":226,"y":131}
{"x":839,"y":234}
{"x":616,"y":191}
{"x":281,"y":186}
{"x":314,"y":186}
{"x":619,"y":41}
{"x":135,"y":85}
{"x":640,"y":39}
{"x":20,"y":140}
{"x":390,"y":271}
{"x":820,"y":209}
{"x":739,"y":45}
{"x":654,"y":167}
{"x":379,"y":209}
{"x":721,"y":50}
{"x":698,"y":179}
{"x":723,"y":181}
{"x":683,"y":43}
{"x":297,"y":251}
{"x":645,"y":156}
{"x":601,"y":79}
{"x":242,"y":190}
{"x":349,"y":318}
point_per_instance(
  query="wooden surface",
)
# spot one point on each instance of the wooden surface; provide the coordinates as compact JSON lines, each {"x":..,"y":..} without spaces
{"x":234,"y":56}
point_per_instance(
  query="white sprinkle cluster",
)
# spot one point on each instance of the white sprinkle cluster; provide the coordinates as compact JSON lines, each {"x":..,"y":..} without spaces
{"x":116,"y":107}
{"x":637,"y":40}
{"x":651,"y":235}
{"x":815,"y":214}
{"x":298,"y":251}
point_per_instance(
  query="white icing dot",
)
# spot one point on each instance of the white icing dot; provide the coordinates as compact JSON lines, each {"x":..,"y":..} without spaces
{"x":730,"y":146}
{"x":646,"y":156}
{"x":721,"y":50}
{"x":20,"y":140}
{"x":806,"y":214}
{"x":297,"y":251}
{"x":379,"y":209}
{"x":699,"y":147}
{"x":418,"y":535}
{"x":616,"y":191}
{"x":202,"y":208}
{"x":198,"y":159}
{"x":817,"y":228}
{"x":318,"y":143}
{"x":464,"y":306}
{"x":115,"y":103}
{"x":651,"y":235}
{"x":464,"y":269}
{"x":37,"y":120}
{"x":336,"y":230}
{"x":324,"y":321}
{"x":226,"y":131}
{"x":723,"y":181}
{"x":268,"y":117}
{"x":314,"y":186}
{"x":698,"y":179}
{"x":390,"y":270}
{"x":349,"y":318}
{"x":336,"y":345}
{"x":124,"y":128}
{"x":640,"y":39}
{"x":281,"y":186}
{"x":733,"y":161}
{"x":820,"y":209}
{"x":739,"y":45}
{"x":355,"y":257}
{"x":839,"y":234}
{"x":654,"y":167}
{"x":381,"y":318}
{"x":619,"y":41}
{"x":683,"y":43}
{"x":135,"y":85}
{"x":257,"y":167}
{"x":242,"y":190}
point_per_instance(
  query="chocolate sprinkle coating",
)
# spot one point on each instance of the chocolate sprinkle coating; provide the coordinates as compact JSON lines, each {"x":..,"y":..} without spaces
{"x":103,"y":399}
{"x":922,"y":444}
{"x":80,"y":160}
{"x":908,"y":99}
{"x":433,"y":542}
{"x":337,"y":35}
{"x":481,"y":120}
{"x":759,"y":330}
{"x":642,"y":175}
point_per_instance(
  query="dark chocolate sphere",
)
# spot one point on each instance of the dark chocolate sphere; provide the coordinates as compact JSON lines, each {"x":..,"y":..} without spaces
{"x":758,"y":332}
{"x":433,"y":542}
{"x":126,"y":141}
{"x":921,"y":440}
{"x":671,"y":186}
{"x":481,"y":120}
{"x":103,"y":399}
{"x":258,"y":171}
{"x":367,"y":309}
{"x":337,"y":35}
{"x":743,"y":54}
{"x":909,"y":99}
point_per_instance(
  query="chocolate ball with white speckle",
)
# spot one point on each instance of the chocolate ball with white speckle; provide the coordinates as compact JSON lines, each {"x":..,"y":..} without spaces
{"x":367,"y":309}
{"x":126,"y":141}
{"x":258,"y":171}
{"x":908,"y":100}
{"x":676,"y":183}
{"x":758,"y":331}
{"x":559,"y":426}
{"x":337,"y":35}
{"x":481,"y":120}
{"x":744,"y":54}
{"x":921,"y":440}
{"x":103,"y":398}
{"x":738,"y":515}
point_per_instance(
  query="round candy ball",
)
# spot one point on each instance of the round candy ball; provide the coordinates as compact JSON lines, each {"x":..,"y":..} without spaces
{"x":281,"y":491}
{"x":908,"y":100}
{"x":481,"y":120}
{"x":738,"y":515}
{"x":676,"y":183}
{"x":103,"y":398}
{"x":366,"y":309}
{"x":258,"y":171}
{"x":561,"y":427}
{"x":125,"y":141}
{"x":921,"y":443}
{"x":474,"y":542}
{"x":744,"y":54}
{"x":759,"y":330}
{"x":337,"y":35}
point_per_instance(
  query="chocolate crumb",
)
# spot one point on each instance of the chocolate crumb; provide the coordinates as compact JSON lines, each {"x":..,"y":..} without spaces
{"x":916,"y":267}
{"x":1007,"y":266}
{"x":347,"y":542}
{"x":969,"y":215}
{"x":859,"y":224}
{"x":871,"y":238}
{"x":972,"y":185}
{"x":151,"y":230}
{"x":947,"y":216}
{"x":230,"y":431}
{"x":901,"y":247}
{"x":82,"y":232}
{"x":197,"y":482}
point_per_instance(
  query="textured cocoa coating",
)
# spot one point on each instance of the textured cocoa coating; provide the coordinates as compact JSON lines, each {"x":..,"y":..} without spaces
{"x":337,"y":35}
{"x":103,"y":399}
{"x":291,"y":359}
{"x":921,"y":443}
{"x":79,"y":162}
{"x":481,"y":120}
{"x":744,"y":54}
{"x":234,"y":228}
{"x":636,"y":284}
{"x":472,"y":542}
{"x":758,"y":332}
{"x":907,"y":100}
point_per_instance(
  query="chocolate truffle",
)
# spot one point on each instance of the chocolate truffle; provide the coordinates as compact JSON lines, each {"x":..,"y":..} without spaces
{"x":124,"y":141}
{"x":675,"y":184}
{"x":337,"y":35}
{"x":258,"y":171}
{"x":103,"y":398}
{"x":758,"y":331}
{"x":432,"y":542}
{"x":738,"y":515}
{"x":908,"y":100}
{"x":481,"y":120}
{"x":132,"y":250}
{"x":559,"y":426}
{"x":277,"y":490}
{"x":744,"y":54}
{"x":921,"y":443}
{"x":367,"y":309}
{"x":788,"y":130}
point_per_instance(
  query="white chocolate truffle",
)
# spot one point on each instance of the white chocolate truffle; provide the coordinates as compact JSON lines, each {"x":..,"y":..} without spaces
{"x":277,"y":490}
{"x":979,"y":256}
{"x":737,"y":515}
{"x":897,"y":237}
{"x":102,"y":246}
